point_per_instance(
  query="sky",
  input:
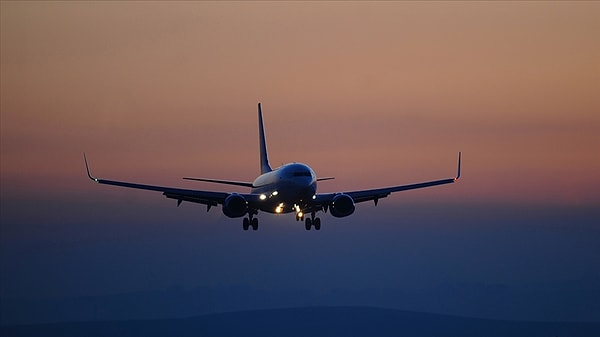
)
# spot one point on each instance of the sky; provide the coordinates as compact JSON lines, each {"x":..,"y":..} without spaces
{"x":373,"y":93}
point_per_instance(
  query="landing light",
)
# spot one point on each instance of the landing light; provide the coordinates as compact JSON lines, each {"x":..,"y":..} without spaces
{"x":279,"y":208}
{"x":314,"y":197}
{"x":299,"y":212}
{"x":275,"y":193}
{"x":262,"y":197}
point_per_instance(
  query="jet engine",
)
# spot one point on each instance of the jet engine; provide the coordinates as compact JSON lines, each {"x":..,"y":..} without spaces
{"x":235,"y":206}
{"x":342,"y":205}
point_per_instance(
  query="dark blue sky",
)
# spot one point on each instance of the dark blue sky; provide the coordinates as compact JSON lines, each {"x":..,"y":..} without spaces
{"x":427,"y":257}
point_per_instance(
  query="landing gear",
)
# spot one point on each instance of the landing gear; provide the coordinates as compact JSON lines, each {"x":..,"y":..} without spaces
{"x":316,"y":222}
{"x":250,"y":221}
{"x":299,"y":213}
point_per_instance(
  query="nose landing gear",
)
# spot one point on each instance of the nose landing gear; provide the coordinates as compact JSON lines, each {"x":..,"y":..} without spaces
{"x":299,"y":213}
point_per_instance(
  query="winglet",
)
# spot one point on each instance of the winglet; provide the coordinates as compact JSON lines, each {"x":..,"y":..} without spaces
{"x":87,"y":168}
{"x":458,"y":173}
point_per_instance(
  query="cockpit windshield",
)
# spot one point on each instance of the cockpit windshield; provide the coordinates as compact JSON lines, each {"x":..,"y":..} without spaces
{"x":303,"y":173}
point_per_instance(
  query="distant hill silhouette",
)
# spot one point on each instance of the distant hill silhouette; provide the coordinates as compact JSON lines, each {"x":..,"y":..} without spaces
{"x":311,"y":321}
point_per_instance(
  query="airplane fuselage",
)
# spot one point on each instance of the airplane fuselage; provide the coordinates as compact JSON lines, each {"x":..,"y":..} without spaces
{"x":285,"y":188}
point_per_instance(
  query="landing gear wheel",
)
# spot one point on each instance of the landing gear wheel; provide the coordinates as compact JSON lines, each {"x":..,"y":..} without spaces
{"x":246,"y":224}
{"x":254,"y":224}
{"x":307,"y":224}
{"x":317,"y":223}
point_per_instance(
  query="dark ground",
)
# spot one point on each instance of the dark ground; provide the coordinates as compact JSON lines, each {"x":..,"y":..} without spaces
{"x":311,"y":321}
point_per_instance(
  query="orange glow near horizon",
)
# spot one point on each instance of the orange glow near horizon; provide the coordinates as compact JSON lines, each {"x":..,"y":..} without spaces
{"x":372,"y":93}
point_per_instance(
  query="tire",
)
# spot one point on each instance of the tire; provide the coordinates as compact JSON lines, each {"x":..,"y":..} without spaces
{"x":317,"y":223}
{"x":307,"y":224}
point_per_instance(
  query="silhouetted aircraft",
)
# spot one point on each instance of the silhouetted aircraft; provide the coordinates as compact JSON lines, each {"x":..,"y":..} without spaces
{"x":290,"y":188}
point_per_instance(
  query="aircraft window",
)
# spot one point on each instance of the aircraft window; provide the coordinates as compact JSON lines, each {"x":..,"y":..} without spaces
{"x":301,"y":174}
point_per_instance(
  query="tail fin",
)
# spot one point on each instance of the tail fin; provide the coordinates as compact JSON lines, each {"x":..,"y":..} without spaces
{"x":264,"y":160}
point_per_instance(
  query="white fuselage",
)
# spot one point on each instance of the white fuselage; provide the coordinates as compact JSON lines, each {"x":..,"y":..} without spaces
{"x":286,"y":187}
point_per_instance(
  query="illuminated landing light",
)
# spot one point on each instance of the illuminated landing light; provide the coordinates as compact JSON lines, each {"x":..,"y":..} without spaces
{"x":262,"y":197}
{"x":279,"y":208}
{"x":275,"y":193}
{"x":299,"y":213}
{"x":314,"y":197}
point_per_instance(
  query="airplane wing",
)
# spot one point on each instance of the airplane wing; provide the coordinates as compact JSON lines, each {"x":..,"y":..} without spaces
{"x":208,"y":198}
{"x":376,"y":194}
{"x":219,"y":181}
{"x":322,"y":201}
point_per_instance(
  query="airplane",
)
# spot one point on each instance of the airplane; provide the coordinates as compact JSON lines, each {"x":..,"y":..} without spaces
{"x":290,"y":188}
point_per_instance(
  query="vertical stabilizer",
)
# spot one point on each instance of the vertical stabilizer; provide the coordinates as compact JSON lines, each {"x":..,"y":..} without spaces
{"x":264,"y":159}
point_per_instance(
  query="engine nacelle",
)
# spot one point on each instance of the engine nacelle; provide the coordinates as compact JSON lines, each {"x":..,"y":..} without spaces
{"x":342,"y":205}
{"x":235,"y":206}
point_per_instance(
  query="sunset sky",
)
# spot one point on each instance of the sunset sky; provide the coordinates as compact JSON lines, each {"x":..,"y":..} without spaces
{"x":373,"y":93}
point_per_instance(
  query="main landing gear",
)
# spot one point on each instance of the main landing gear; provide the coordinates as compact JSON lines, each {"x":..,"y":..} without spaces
{"x":250,"y":221}
{"x":312,"y":221}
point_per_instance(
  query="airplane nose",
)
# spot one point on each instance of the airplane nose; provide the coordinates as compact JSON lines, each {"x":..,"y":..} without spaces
{"x":309,"y":188}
